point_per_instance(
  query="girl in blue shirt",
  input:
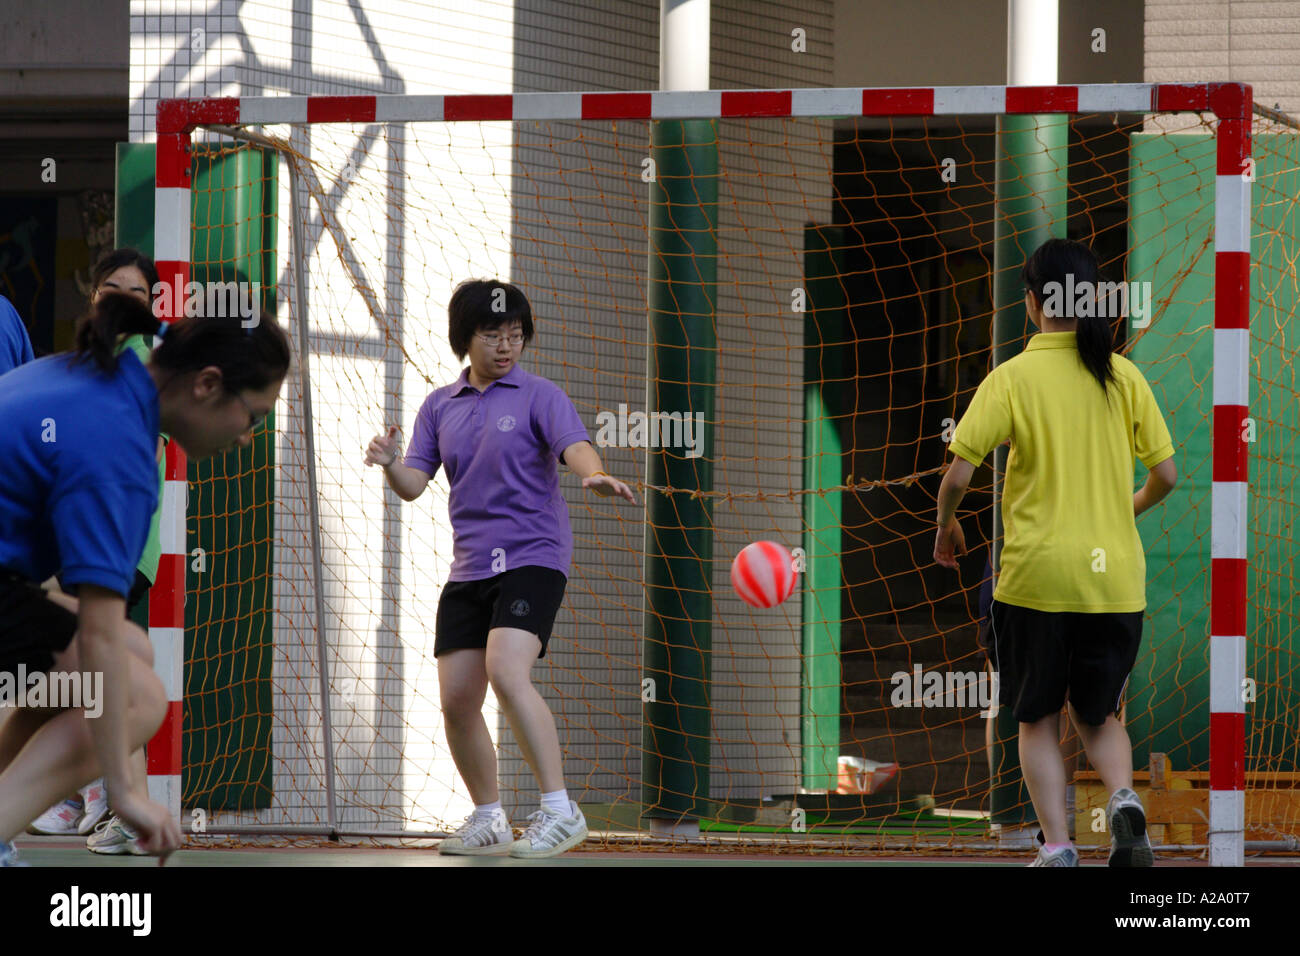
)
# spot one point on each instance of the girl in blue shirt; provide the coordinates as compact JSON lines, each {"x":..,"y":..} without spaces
{"x":78,"y":485}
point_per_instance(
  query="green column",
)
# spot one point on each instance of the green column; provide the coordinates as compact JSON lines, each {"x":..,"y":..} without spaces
{"x":1030,"y":209}
{"x":230,"y":514}
{"x":681,"y":378}
{"x":823,"y":467}
{"x":229,"y":637}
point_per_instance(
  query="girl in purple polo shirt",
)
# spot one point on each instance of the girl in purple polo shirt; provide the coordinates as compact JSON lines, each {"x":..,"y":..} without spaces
{"x":499,"y":432}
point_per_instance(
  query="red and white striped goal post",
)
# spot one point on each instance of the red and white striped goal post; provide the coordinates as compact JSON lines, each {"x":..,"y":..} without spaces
{"x":1230,"y":103}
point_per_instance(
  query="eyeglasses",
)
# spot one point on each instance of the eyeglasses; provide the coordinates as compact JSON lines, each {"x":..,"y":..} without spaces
{"x":494,"y":340}
{"x":253,"y":420}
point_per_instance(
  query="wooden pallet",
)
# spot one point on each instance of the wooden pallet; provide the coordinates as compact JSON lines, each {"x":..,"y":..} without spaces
{"x":1178,"y":805}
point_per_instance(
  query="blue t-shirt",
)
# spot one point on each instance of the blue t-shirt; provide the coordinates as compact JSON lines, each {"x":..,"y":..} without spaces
{"x":78,"y":480}
{"x":15,"y":346}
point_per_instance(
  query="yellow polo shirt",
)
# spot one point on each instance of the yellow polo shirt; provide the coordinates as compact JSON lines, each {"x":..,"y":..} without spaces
{"x":1070,"y":539}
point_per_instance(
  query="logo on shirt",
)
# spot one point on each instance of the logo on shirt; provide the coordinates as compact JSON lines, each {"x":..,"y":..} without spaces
{"x":520,"y":608}
{"x":506,"y":423}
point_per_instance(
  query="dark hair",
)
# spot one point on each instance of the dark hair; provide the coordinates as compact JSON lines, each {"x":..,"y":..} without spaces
{"x":249,"y":357}
{"x":1052,"y":262}
{"x":110,"y":262}
{"x":477,"y":304}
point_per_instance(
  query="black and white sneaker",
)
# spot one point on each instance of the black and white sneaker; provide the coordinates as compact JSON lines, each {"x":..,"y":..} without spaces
{"x":1129,"y":845}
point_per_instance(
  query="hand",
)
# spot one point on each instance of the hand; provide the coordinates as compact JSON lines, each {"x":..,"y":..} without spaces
{"x":948,"y":543}
{"x":383,"y":448}
{"x":160,"y":834}
{"x":605,"y":486}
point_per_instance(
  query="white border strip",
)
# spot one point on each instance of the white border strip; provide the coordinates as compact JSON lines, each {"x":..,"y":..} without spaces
{"x":269,"y":110}
{"x":1231,"y":214}
{"x":843,"y":101}
{"x":393,"y":108}
{"x":547,"y":106}
{"x":165,"y":789}
{"x":1116,"y":97}
{"x":1227,"y":826}
{"x":1228,"y":519}
{"x":169,"y":658}
{"x":171,"y":225}
{"x":969,"y":99}
{"x":686,"y":104}
{"x":171,"y":524}
{"x":1227,"y":673}
{"x":1231,"y":370}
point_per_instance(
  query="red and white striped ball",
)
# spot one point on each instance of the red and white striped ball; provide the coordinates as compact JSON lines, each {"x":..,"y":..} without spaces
{"x":763,"y":574}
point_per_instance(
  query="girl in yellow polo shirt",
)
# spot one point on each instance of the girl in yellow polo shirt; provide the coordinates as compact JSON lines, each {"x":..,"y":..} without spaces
{"x":1068,"y":606}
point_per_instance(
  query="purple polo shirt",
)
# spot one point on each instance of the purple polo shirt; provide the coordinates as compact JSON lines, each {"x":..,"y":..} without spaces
{"x":500,"y":448}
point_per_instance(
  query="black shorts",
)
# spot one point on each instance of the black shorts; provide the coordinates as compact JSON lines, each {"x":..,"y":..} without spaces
{"x":527,"y":598}
{"x":33,"y":629}
{"x":1046,"y":655}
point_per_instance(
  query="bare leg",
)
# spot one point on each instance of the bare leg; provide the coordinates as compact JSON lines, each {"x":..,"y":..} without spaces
{"x":1110,"y":750}
{"x":18,"y":729}
{"x":511,"y":653}
{"x":58,"y":755}
{"x":1044,"y":772}
{"x":1071,"y":751}
{"x":988,"y":726}
{"x":137,"y":641}
{"x":140,"y":771}
{"x":462,"y":686}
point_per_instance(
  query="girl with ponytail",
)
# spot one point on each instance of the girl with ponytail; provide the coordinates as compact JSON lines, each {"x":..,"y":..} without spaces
{"x":78,"y":487}
{"x":1071,"y":583}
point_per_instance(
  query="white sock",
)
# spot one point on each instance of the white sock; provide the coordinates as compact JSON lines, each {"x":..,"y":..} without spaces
{"x":486,"y":809}
{"x":557,"y":800}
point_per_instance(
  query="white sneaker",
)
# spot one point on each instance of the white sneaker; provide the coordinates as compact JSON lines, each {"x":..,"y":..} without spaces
{"x":488,"y":835}
{"x":113,"y":837}
{"x":550,"y":833}
{"x":95,"y":797}
{"x":58,"y":820}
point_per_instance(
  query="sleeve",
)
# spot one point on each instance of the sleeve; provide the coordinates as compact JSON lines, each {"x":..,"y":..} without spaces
{"x":423,"y":453}
{"x":142,"y":346}
{"x":138,"y":345}
{"x":987,"y":421}
{"x":101,"y":532}
{"x":556,"y":422}
{"x":1151,"y":440}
